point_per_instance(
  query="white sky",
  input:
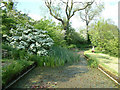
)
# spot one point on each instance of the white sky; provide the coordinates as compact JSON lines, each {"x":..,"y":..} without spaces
{"x":37,"y":10}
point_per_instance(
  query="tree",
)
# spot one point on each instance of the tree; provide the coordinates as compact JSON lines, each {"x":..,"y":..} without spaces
{"x":55,"y":9}
{"x":10,"y":18}
{"x":9,"y":5}
{"x":104,"y":36}
{"x":54,"y":31}
{"x":90,"y":13}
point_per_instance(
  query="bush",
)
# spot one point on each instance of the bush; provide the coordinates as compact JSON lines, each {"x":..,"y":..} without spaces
{"x":105,"y":37}
{"x":57,"y":56}
{"x":75,"y":38}
{"x":34,"y":41}
{"x":92,"y":62}
{"x":71,"y":46}
{"x":6,"y":47}
{"x":13,"y":53}
{"x":13,"y":68}
{"x":54,"y":31}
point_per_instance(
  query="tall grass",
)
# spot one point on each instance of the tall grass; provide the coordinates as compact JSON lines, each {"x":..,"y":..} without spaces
{"x":58,"y":56}
{"x":13,"y":53}
{"x":92,"y":61}
{"x":65,"y":54}
{"x":12,"y":69}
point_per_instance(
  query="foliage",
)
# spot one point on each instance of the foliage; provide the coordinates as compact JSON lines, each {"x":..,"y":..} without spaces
{"x":54,"y":31}
{"x":90,"y":13}
{"x":34,"y":41}
{"x":64,"y":54}
{"x":105,"y":36}
{"x":63,"y":11}
{"x":11,"y":17}
{"x":84,"y":46}
{"x":13,"y":53}
{"x":6,"y":47}
{"x":58,"y":56}
{"x":71,"y":46}
{"x":108,"y":62}
{"x":7,"y":22}
{"x":76,"y":38}
{"x":92,"y":62}
{"x":13,"y":68}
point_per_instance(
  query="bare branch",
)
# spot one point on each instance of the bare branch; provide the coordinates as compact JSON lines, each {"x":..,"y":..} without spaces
{"x":82,"y":17}
{"x":63,"y":2}
{"x":66,"y":8}
{"x":79,"y":3}
{"x":70,"y":8}
{"x":48,"y":4}
{"x":80,"y":9}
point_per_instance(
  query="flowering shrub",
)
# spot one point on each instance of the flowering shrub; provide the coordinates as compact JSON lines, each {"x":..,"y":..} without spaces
{"x":34,"y":41}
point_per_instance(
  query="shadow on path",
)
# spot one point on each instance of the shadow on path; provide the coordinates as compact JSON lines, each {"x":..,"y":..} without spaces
{"x":77,"y":75}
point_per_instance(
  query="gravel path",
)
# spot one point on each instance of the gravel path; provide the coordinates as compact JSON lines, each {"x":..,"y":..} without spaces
{"x":77,"y":75}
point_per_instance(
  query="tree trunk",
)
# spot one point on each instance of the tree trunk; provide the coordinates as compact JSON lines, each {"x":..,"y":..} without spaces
{"x":88,"y":39}
{"x":66,"y":28}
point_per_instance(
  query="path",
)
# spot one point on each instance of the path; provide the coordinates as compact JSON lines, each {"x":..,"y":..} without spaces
{"x":77,"y":75}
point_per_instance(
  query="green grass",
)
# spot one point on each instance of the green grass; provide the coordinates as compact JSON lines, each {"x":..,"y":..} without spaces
{"x":107,"y":61}
{"x":58,"y":56}
{"x":66,"y":55}
{"x":83,"y":46}
{"x":11,"y":68}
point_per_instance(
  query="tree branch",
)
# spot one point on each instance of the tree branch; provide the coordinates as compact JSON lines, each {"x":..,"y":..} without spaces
{"x":78,"y":2}
{"x":82,"y":18}
{"x":67,"y":8}
{"x":70,"y":8}
{"x":48,"y":4}
{"x":88,"y":3}
{"x":63,"y":2}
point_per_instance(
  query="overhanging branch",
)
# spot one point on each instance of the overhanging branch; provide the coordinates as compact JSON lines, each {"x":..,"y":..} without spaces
{"x":48,"y":4}
{"x":88,"y":3}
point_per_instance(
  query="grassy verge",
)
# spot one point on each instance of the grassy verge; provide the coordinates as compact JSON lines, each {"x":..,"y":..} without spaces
{"x":108,"y":62}
{"x":12,"y":68}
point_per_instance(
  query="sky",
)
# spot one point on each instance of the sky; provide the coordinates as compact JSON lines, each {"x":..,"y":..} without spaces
{"x":36,"y":9}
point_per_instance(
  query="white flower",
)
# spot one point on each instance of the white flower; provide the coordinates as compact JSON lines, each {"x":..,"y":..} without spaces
{"x":20,"y":38}
{"x":37,"y":43}
{"x":16,"y":37}
{"x":25,"y":31}
{"x":26,"y":36}
{"x":34,"y":50}
{"x":4,"y":35}
{"x":35,"y":33}
{"x":21,"y":47}
{"x":39,"y":53}
{"x":31,"y":46}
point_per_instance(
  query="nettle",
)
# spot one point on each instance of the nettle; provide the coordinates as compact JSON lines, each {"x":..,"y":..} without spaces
{"x":34,"y":41}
